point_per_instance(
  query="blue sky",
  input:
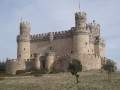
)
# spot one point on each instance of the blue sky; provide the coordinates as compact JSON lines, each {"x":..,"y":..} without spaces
{"x":57,"y":15}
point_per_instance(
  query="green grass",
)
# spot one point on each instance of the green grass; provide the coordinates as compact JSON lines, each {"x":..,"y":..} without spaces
{"x":62,"y":81}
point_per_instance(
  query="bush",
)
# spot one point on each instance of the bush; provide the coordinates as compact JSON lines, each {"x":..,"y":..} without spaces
{"x":74,"y":67}
{"x":2,"y":67}
{"x":109,"y":67}
{"x":2,"y":78}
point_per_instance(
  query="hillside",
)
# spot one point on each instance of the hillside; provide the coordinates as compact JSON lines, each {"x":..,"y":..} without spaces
{"x":62,"y":81}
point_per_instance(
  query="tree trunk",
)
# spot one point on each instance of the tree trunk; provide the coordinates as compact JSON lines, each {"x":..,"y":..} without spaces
{"x":77,"y":78}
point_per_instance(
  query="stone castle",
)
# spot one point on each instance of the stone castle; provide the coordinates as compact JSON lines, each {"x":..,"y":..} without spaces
{"x":53,"y":49}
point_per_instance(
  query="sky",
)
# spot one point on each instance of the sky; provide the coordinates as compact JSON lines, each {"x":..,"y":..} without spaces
{"x":58,"y":15}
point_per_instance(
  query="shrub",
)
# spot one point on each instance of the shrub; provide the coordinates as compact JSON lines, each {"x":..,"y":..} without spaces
{"x":2,"y":78}
{"x":109,"y":67}
{"x":74,"y":67}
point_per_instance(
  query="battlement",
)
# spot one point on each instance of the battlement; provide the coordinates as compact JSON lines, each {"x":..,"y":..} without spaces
{"x":56,"y":35}
{"x":11,"y":60}
{"x":24,"y":24}
{"x":80,"y":15}
{"x":93,"y":26}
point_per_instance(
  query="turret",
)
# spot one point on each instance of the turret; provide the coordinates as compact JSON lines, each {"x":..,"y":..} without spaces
{"x":23,"y":41}
{"x":94,"y":28}
{"x":100,"y":47}
{"x":37,"y":62}
{"x":80,"y":21}
{"x":50,"y":59}
{"x":81,"y":35}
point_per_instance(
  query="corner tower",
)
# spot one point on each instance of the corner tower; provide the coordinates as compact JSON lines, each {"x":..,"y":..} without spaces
{"x":80,"y":35}
{"x":23,"y":42}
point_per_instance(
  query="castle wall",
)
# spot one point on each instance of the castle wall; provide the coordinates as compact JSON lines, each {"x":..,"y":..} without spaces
{"x":90,"y":62}
{"x":30,"y":64}
{"x":62,"y":46}
{"x":102,"y":50}
{"x":91,"y":45}
{"x":11,"y":66}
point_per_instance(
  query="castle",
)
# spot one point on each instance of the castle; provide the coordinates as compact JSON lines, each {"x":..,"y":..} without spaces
{"x":53,"y":49}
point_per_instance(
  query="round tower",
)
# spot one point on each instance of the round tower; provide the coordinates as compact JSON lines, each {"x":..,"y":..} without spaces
{"x":37,"y":62}
{"x":80,"y":35}
{"x":100,"y":46}
{"x":11,"y":66}
{"x":50,"y":58}
{"x":23,"y":42}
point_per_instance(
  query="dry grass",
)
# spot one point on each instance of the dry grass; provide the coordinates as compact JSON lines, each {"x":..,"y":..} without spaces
{"x":62,"y":81}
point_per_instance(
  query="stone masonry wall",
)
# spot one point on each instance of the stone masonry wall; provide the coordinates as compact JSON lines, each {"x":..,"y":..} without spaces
{"x":89,"y":62}
{"x":62,"y":46}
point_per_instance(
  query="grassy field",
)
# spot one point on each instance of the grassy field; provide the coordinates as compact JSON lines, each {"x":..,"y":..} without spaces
{"x":62,"y":81}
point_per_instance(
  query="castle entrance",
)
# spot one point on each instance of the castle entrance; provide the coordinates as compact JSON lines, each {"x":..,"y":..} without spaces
{"x":42,"y":63}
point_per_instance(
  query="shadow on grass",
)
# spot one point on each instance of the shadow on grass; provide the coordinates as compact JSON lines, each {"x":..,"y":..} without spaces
{"x":2,"y":78}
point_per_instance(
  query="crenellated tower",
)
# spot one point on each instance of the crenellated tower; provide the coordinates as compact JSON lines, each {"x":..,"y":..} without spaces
{"x":81,"y":35}
{"x":100,"y":46}
{"x":23,"y":42}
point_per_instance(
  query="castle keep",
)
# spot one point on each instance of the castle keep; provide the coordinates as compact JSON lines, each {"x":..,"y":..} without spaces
{"x":53,"y":49}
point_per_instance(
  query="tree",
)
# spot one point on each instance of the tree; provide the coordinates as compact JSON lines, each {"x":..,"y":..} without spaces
{"x":109,"y":67}
{"x":74,"y":67}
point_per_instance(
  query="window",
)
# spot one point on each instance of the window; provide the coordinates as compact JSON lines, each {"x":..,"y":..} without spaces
{"x":86,"y":43}
{"x":24,"y":49}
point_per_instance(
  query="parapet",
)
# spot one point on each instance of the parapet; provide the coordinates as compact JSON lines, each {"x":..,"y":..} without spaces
{"x":56,"y":35}
{"x":80,"y":15}
{"x":93,"y":26}
{"x":24,"y":24}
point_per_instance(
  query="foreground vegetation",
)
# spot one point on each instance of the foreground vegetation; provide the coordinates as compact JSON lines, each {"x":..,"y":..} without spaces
{"x":62,"y":81}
